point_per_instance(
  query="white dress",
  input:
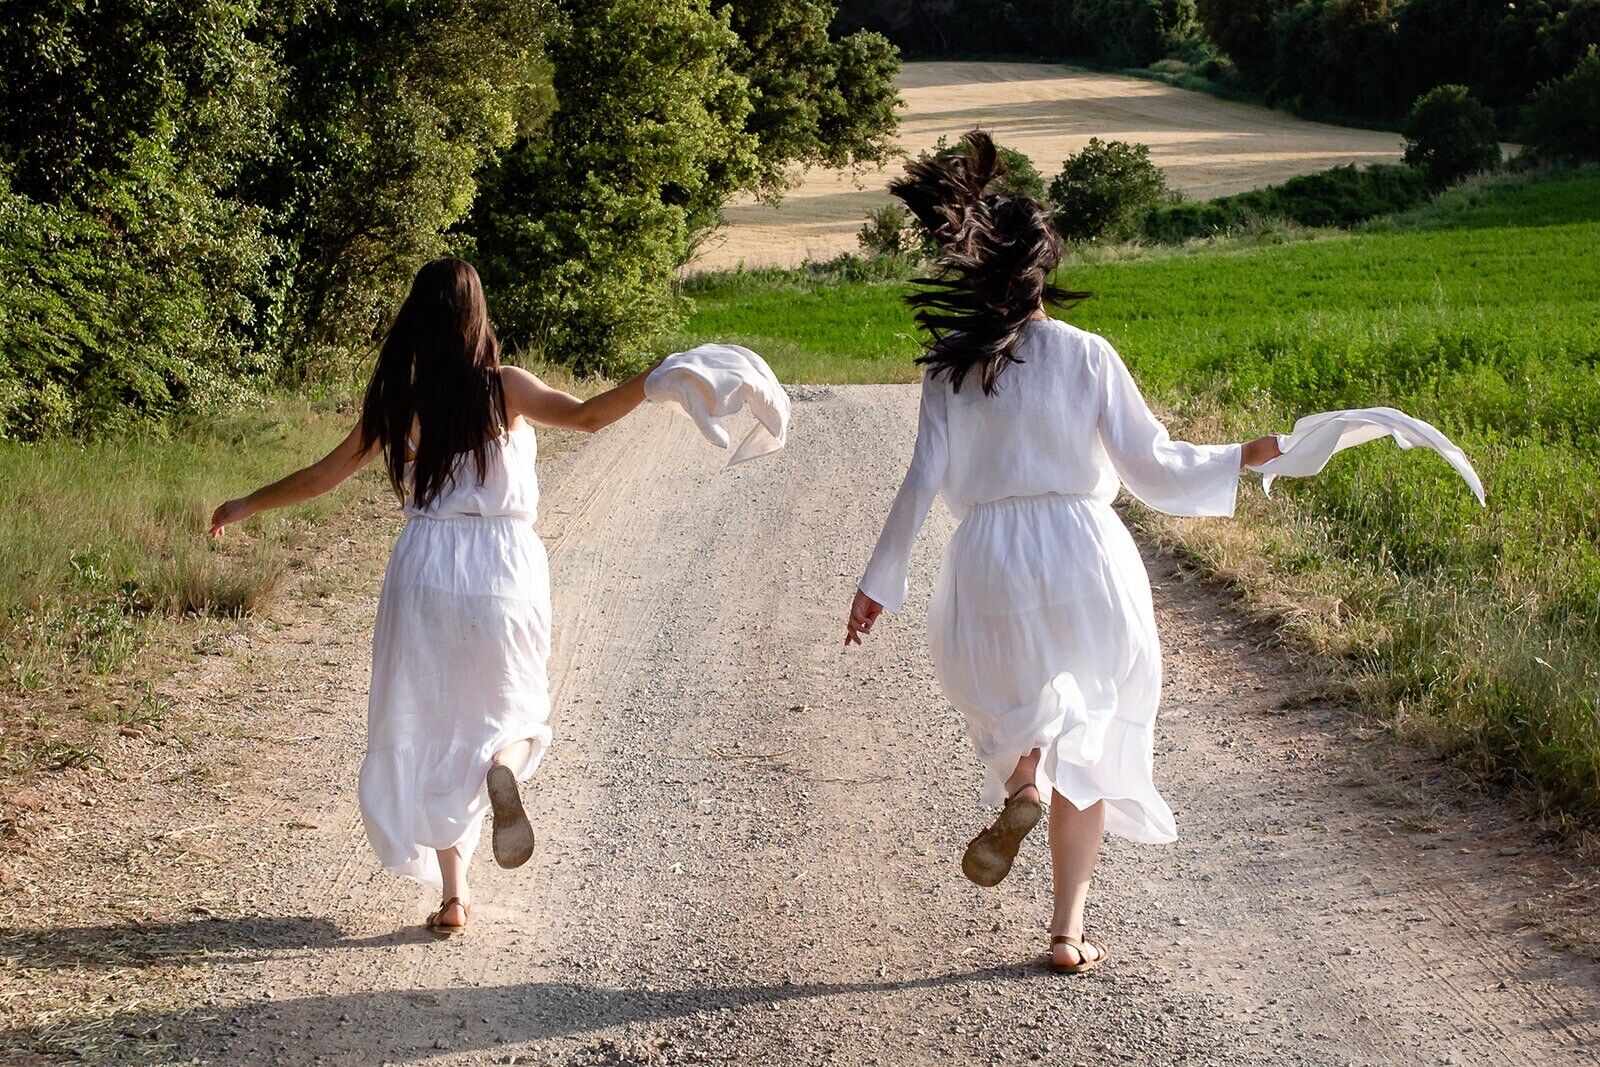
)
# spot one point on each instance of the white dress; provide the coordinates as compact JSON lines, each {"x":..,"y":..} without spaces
{"x":459,"y":658}
{"x":1042,"y":630}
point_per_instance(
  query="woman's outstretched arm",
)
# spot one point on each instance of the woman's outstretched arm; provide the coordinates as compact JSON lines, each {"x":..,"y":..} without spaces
{"x":307,"y":482}
{"x":537,"y":402}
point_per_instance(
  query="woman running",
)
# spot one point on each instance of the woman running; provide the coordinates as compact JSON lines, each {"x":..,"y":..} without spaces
{"x":456,"y":715}
{"x":1041,"y":628}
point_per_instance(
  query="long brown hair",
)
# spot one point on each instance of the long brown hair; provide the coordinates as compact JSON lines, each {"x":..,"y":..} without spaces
{"x":439,"y":365}
{"x":996,"y":253}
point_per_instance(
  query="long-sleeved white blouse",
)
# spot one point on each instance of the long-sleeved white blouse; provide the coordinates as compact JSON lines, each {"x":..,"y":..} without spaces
{"x":1067,"y":419}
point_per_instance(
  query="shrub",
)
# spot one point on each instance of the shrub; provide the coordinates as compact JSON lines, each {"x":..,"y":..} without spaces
{"x":1563,"y":120}
{"x":1450,"y":135}
{"x":890,"y":231}
{"x":1021,"y":176}
{"x":1106,"y":191}
{"x":1341,"y":196}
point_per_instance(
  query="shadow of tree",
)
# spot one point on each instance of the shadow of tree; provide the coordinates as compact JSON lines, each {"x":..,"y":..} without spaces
{"x":405,"y":1025}
{"x":240,"y":940}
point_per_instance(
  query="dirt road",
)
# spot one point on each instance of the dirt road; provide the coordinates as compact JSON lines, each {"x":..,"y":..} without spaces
{"x":1208,"y":147}
{"x":749,"y":840}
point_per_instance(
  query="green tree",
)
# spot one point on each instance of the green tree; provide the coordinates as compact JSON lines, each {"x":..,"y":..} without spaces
{"x":814,"y":100}
{"x":133,"y":278}
{"x":1563,"y":120}
{"x":1450,"y":135}
{"x":390,"y":110}
{"x":1130,"y":33}
{"x":1106,"y":191}
{"x":579,"y":230}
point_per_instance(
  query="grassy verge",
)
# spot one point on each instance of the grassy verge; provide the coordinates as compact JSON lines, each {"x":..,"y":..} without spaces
{"x":1478,"y":631}
{"x":107,"y":579}
{"x":105,"y":569}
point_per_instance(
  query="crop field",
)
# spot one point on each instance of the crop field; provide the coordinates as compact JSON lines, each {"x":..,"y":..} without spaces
{"x":1477,"y":630}
{"x":1208,"y":147}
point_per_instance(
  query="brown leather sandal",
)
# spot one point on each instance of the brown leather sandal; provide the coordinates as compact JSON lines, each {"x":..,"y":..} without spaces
{"x":989,"y":856}
{"x":443,"y":929}
{"x":513,"y":835}
{"x":1077,"y":944}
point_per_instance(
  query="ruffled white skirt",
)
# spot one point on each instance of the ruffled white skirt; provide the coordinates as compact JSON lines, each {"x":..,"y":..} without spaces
{"x":1043,"y":636}
{"x":459,"y":657}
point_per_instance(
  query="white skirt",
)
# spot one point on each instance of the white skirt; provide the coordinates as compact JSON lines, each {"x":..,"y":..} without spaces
{"x":1043,"y":636}
{"x":459,"y":657}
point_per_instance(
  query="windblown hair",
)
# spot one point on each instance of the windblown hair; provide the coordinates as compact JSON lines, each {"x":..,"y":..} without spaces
{"x":440,"y":367}
{"x":996,"y":253}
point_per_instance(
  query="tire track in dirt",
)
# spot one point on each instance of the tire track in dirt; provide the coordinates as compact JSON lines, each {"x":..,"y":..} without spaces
{"x":749,"y":840}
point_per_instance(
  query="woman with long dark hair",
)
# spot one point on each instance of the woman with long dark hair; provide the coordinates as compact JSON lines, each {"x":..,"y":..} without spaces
{"x":1041,"y":628}
{"x":459,"y":695}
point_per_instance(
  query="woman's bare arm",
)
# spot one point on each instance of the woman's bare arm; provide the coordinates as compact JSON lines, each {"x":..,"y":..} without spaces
{"x":537,"y":402}
{"x":323,"y":475}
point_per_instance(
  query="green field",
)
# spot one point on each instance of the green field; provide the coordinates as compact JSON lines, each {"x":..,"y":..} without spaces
{"x":1477,"y":630}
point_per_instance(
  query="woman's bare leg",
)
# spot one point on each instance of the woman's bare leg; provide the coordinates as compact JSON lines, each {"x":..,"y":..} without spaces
{"x":1024,"y":775}
{"x":1075,"y":838}
{"x":454,"y":873}
{"x":515,"y":755}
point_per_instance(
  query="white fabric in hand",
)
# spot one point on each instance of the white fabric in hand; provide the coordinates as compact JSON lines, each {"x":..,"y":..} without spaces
{"x":1315,"y":439}
{"x":710,"y":382}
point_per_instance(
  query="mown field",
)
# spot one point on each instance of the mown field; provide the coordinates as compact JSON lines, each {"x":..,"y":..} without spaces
{"x":1475,"y":630}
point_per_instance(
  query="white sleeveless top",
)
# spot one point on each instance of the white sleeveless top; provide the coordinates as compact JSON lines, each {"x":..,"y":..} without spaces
{"x":510,"y":487}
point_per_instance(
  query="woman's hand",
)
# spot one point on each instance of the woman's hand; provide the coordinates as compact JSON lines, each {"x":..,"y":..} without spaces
{"x":1254,"y":453}
{"x":864,"y":611}
{"x":226,"y":515}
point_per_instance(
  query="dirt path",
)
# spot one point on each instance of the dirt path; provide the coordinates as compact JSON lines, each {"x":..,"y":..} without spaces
{"x":749,"y":840}
{"x":1208,"y":147}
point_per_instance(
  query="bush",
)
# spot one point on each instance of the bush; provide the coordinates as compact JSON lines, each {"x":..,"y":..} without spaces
{"x":134,"y":281}
{"x":1342,"y":196}
{"x":1450,"y":135}
{"x":1020,"y":176}
{"x":1106,"y":191}
{"x":1563,"y":120}
{"x":891,"y":231}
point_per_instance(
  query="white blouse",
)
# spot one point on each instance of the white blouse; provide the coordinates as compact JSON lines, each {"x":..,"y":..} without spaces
{"x":1067,"y":419}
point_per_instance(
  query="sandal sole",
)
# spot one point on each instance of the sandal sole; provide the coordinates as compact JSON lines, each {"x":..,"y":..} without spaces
{"x":513,"y":834}
{"x":989,"y":857}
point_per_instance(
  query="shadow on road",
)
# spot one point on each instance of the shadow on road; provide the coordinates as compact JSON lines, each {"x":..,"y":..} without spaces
{"x":405,"y":1025}
{"x":165,"y":943}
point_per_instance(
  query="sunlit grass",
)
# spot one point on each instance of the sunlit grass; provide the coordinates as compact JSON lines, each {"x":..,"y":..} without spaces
{"x":1476,"y":630}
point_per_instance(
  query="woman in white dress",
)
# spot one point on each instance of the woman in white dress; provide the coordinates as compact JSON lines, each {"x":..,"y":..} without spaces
{"x":456,"y":714}
{"x":1041,"y":627}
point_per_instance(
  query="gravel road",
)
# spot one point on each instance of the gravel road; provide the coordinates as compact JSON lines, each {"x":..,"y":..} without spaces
{"x":749,"y":839}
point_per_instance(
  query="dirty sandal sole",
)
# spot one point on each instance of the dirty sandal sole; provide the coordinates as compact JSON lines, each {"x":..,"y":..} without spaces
{"x":989,"y":857}
{"x":513,"y":836}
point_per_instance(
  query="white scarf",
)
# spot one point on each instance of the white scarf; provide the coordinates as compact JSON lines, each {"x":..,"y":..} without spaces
{"x":711,"y":382}
{"x":1315,"y":438}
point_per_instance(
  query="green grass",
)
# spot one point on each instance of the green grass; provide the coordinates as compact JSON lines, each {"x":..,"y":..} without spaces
{"x":107,"y":579}
{"x":103,"y":553}
{"x":1478,"y":630}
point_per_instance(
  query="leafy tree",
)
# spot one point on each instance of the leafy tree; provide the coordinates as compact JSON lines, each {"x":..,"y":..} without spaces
{"x":814,"y":100}
{"x":1563,"y":120}
{"x":390,"y":109}
{"x":1129,"y":33}
{"x":1450,"y":135}
{"x":1243,"y":30}
{"x":579,"y":231}
{"x":133,"y":279}
{"x":1106,"y":191}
